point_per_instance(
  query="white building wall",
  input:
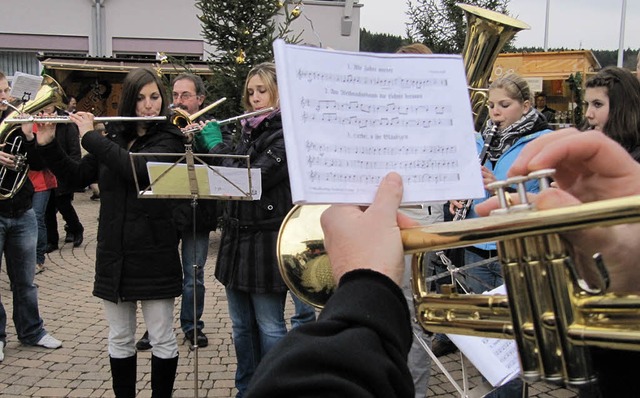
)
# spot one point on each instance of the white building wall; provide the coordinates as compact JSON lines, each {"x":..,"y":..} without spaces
{"x":148,"y":26}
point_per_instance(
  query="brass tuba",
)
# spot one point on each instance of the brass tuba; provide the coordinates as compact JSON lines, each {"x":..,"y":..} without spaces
{"x":11,"y":137}
{"x":487,"y":33}
{"x":551,"y":313}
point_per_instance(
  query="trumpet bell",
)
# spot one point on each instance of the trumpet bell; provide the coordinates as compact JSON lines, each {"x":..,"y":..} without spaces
{"x":303,"y":262}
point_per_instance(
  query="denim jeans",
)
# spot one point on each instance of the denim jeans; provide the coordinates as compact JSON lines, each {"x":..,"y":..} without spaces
{"x":483,"y":277}
{"x":303,"y":312}
{"x":39,"y":204}
{"x":201,"y":247}
{"x":257,"y":323}
{"x":18,"y":243}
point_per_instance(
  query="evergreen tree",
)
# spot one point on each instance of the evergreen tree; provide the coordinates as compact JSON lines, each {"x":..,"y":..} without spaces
{"x":242,"y":33}
{"x":380,"y":42}
{"x":441,"y":25}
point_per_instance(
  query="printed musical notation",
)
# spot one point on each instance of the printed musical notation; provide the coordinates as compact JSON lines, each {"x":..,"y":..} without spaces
{"x":350,"y":118}
{"x":376,"y":150}
{"x":364,"y":122}
{"x":389,"y":108}
{"x":359,"y":80}
{"x":366,"y":179}
{"x":329,"y":161}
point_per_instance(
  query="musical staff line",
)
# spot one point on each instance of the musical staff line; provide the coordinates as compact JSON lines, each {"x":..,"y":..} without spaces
{"x":328,"y":161}
{"x":390,"y":108}
{"x":364,"y":122}
{"x":359,"y":80}
{"x":367,"y":179}
{"x":312,"y":146}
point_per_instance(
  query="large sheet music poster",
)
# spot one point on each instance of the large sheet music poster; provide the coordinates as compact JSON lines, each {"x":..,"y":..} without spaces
{"x":350,"y":118}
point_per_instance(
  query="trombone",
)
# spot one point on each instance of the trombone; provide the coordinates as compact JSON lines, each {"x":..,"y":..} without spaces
{"x":182,"y":119}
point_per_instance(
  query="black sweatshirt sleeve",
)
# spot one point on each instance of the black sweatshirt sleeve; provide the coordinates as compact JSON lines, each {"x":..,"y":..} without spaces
{"x":357,"y":348}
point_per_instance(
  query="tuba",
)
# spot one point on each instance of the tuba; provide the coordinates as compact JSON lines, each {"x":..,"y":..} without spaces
{"x":12,"y":139}
{"x":487,"y":33}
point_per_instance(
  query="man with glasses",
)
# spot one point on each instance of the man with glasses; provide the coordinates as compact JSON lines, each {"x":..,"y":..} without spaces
{"x":189,"y":94}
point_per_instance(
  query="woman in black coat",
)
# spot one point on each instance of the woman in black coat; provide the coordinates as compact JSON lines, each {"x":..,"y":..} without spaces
{"x":247,"y":264}
{"x":137,"y":253}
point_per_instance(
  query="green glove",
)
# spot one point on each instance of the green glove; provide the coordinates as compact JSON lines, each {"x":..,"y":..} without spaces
{"x":208,"y":137}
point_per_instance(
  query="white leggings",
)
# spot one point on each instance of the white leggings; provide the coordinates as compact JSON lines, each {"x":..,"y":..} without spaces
{"x":158,"y":317}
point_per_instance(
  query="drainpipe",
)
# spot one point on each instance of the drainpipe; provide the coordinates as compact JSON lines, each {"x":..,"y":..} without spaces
{"x":97,"y":30}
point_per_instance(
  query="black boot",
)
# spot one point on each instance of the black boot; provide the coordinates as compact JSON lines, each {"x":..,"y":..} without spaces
{"x":163,"y":373}
{"x":78,"y":236}
{"x":123,"y":372}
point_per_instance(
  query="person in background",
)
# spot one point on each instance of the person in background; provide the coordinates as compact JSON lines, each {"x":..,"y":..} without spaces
{"x":365,"y":326}
{"x":613,"y":106}
{"x":18,"y":239}
{"x":137,"y":258}
{"x":247,"y":264}
{"x":61,"y":199}
{"x":44,"y":183}
{"x":72,"y":103}
{"x":516,"y":123}
{"x":426,"y":213}
{"x":541,"y":105}
{"x":189,"y":93}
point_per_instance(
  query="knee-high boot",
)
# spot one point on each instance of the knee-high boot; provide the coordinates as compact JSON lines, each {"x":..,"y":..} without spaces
{"x":123,"y":372}
{"x":163,"y":373}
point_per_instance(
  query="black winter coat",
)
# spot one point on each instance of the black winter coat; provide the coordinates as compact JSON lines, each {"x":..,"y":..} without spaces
{"x":68,"y":137}
{"x":137,"y":254}
{"x":247,"y":258}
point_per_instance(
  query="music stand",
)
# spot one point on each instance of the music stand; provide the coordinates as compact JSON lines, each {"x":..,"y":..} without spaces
{"x":167,"y":181}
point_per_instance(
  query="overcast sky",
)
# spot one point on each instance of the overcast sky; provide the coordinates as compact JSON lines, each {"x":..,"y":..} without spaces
{"x":574,"y":24}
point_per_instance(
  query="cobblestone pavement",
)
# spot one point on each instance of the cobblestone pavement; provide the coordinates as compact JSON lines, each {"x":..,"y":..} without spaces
{"x":81,"y":367}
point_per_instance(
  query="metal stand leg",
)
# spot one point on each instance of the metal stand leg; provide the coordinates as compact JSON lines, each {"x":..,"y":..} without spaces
{"x":194,"y":347}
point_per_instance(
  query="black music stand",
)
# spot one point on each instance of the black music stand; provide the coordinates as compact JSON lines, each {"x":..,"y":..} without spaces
{"x":189,"y":177}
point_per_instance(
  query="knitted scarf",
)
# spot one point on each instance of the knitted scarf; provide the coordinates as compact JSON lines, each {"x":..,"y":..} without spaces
{"x":510,"y":134}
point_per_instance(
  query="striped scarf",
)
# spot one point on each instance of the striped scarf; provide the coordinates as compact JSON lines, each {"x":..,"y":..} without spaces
{"x":511,"y":134}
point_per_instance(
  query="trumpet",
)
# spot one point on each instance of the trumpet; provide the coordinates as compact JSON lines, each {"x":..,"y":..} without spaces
{"x":197,"y":129}
{"x":549,"y":310}
{"x":99,"y":119}
{"x":182,"y":119}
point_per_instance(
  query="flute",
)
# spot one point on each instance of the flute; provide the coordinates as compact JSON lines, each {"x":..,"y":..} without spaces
{"x":40,"y":119}
{"x":230,"y":120}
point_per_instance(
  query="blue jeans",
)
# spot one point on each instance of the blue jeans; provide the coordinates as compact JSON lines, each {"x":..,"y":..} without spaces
{"x":303,"y":312}
{"x":483,"y":277}
{"x":18,"y":243}
{"x":257,"y":322}
{"x":39,"y":204}
{"x":201,"y":247}
{"x":487,"y":277}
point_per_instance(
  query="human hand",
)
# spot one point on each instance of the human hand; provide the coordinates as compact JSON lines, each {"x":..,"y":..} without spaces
{"x":589,"y":167}
{"x":369,"y":238}
{"x":487,"y":176}
{"x":454,"y":205}
{"x":84,"y":121}
{"x":27,"y":128}
{"x":208,"y":137}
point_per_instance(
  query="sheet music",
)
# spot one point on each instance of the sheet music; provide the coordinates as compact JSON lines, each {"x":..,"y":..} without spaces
{"x":25,"y":86}
{"x":496,"y":359}
{"x":350,"y":118}
{"x":211,"y":180}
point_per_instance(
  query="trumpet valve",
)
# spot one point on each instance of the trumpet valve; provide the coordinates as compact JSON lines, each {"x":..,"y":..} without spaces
{"x":543,"y":177}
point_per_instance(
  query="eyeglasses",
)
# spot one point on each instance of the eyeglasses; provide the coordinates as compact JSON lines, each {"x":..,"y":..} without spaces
{"x":186,"y":96}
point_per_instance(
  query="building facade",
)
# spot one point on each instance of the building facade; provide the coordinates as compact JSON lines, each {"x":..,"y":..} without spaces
{"x":142,"y":28}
